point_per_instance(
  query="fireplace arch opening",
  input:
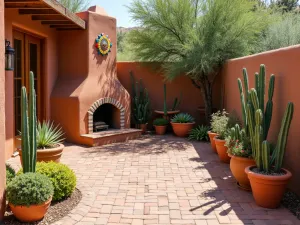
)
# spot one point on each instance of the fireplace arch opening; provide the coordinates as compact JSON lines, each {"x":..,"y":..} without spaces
{"x":105,"y":117}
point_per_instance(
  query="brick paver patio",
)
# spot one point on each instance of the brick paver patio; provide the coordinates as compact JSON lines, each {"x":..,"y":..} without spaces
{"x":160,"y":180}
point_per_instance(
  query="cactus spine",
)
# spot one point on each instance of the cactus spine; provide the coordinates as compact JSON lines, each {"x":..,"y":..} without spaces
{"x":28,"y":127}
{"x":258,"y":121}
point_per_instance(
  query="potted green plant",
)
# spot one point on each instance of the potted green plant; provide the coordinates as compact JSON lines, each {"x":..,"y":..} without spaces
{"x":29,"y":196}
{"x":219,"y":125}
{"x":160,"y":125}
{"x":49,"y":140}
{"x":169,"y":112}
{"x":140,"y":104}
{"x":267,"y":178}
{"x":182,"y":124}
{"x":199,"y":133}
{"x":240,"y":152}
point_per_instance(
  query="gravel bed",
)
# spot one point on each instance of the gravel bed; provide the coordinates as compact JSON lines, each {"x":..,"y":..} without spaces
{"x":271,"y":173}
{"x":56,"y":211}
{"x":292,"y":202}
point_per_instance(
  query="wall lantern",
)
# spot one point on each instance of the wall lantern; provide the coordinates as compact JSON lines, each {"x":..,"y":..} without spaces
{"x":9,"y":56}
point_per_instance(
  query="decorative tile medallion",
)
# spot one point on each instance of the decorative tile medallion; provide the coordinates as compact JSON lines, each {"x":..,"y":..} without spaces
{"x":103,"y":44}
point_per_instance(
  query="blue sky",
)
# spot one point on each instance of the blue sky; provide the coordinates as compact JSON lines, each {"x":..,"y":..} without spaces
{"x":117,"y":9}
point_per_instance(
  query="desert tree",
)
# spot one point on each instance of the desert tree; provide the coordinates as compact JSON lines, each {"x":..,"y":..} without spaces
{"x":75,"y":5}
{"x":195,"y":37}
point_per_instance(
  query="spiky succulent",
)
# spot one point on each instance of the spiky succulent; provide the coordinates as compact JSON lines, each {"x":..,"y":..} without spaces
{"x":199,"y":133}
{"x":183,"y":118}
{"x":48,"y":135}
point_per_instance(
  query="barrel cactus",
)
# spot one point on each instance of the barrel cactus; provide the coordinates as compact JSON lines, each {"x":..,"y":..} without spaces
{"x":28,"y":127}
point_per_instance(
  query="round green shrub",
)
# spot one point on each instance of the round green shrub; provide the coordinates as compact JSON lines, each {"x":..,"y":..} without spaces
{"x":61,"y":176}
{"x":29,"y":189}
{"x":160,"y":122}
{"x":10,"y":173}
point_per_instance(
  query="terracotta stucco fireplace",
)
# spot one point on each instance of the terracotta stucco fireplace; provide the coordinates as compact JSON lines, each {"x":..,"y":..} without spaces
{"x":88,"y":87}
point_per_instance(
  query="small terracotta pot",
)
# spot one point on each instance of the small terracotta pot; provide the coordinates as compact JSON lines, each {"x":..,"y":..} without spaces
{"x":268,"y":190}
{"x":222,"y":150}
{"x":32,"y":213}
{"x":47,"y":155}
{"x":212,"y":141}
{"x":143,"y":127}
{"x":160,"y":130}
{"x":237,"y":167}
{"x":182,"y":129}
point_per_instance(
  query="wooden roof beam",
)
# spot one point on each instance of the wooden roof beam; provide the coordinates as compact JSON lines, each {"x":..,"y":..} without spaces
{"x":56,"y":22}
{"x":36,"y":5}
{"x":37,"y":12}
{"x":49,"y":17}
{"x":21,"y":1}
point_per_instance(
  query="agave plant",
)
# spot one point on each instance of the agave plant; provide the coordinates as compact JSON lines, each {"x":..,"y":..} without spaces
{"x":183,"y":118}
{"x":48,"y":135}
{"x":199,"y":133}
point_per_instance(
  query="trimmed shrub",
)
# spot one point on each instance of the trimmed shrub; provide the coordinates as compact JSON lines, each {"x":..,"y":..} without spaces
{"x":10,"y":173}
{"x":29,"y":189}
{"x":160,"y":122}
{"x":61,"y":176}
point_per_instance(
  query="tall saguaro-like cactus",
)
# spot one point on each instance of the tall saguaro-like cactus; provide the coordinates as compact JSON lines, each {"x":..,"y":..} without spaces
{"x":28,"y":127}
{"x":258,"y":120}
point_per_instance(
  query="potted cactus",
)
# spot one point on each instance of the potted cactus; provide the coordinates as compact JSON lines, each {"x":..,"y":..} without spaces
{"x":160,"y":125}
{"x":140,"y":104}
{"x":267,"y":178}
{"x":219,"y":124}
{"x":169,"y":112}
{"x":182,"y":124}
{"x":29,"y":195}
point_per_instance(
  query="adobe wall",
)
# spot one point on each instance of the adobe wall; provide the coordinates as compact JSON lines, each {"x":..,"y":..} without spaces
{"x":153,"y":80}
{"x":2,"y":113}
{"x":85,"y":76}
{"x":284,"y":63}
{"x":23,"y":22}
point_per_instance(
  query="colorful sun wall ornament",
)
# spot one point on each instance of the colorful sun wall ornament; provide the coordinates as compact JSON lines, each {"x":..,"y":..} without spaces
{"x":103,"y":44}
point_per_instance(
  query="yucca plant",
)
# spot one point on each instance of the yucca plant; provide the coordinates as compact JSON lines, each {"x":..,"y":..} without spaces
{"x":199,"y":133}
{"x":183,"y":118}
{"x":48,"y":135}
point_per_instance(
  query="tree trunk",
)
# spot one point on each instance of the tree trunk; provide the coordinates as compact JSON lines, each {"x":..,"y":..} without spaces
{"x":206,"y":91}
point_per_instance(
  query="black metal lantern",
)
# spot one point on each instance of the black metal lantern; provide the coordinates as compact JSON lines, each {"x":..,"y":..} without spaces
{"x":9,"y":56}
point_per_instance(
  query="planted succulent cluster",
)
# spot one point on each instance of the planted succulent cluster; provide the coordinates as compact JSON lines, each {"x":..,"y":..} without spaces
{"x":199,"y":133}
{"x":257,"y":119}
{"x":176,"y":103}
{"x":160,"y":122}
{"x":183,"y":118}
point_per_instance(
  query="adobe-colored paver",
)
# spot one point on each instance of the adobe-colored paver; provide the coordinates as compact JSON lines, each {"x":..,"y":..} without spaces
{"x":160,"y":180}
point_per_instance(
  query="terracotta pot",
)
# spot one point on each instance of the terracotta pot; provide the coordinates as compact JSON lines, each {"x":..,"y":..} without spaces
{"x":47,"y":155}
{"x":212,"y":141}
{"x":182,"y":129}
{"x":268,"y":190}
{"x":222,"y":150}
{"x":143,"y":127}
{"x":160,"y":130}
{"x":32,"y":213}
{"x":237,"y":167}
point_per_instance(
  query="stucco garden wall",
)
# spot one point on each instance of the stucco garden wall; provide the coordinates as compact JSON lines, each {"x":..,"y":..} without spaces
{"x":153,"y":80}
{"x":2,"y":112}
{"x":284,"y":63}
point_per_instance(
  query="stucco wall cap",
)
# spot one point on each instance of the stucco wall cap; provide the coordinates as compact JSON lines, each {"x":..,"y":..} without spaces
{"x":98,"y":9}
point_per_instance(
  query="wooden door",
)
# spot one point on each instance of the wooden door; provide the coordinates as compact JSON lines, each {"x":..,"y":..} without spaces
{"x":27,"y":58}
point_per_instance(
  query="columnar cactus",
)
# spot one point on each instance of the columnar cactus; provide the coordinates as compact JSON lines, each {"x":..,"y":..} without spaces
{"x":28,"y":127}
{"x":165,"y":100}
{"x":258,"y":122}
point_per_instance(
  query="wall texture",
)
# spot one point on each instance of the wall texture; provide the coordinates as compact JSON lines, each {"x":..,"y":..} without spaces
{"x":153,"y":80}
{"x":284,"y":63}
{"x":2,"y":113}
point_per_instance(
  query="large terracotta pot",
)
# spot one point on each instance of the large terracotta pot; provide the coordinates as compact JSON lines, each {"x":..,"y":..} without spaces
{"x":32,"y":213}
{"x":160,"y":130}
{"x":237,"y":167}
{"x":47,"y":155}
{"x":182,"y":129}
{"x":143,"y":127}
{"x":212,"y":141}
{"x":222,"y":150}
{"x":268,"y":190}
